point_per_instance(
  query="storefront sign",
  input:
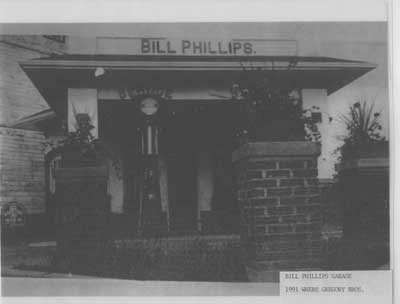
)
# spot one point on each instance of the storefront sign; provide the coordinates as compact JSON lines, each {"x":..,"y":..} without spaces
{"x":178,"y":94}
{"x":134,"y":93}
{"x":193,"y":47}
{"x":196,"y":47}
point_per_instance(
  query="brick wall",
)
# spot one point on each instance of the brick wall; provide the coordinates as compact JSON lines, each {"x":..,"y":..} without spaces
{"x":365,"y":199}
{"x":22,"y":168}
{"x":280,"y":207}
{"x":187,"y":258}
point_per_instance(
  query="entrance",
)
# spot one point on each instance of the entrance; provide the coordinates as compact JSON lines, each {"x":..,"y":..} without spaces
{"x":182,"y":192}
{"x":177,"y":165}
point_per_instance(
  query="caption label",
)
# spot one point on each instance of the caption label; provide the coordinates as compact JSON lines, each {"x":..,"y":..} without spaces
{"x":335,"y":283}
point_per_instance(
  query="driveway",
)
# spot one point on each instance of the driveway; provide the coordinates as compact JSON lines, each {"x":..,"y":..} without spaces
{"x":85,"y":286}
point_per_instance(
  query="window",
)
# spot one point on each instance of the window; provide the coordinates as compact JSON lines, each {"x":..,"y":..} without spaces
{"x":316,"y":117}
{"x":52,"y":166}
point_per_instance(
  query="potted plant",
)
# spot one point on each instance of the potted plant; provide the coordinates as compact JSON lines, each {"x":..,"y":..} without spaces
{"x":363,"y":185}
{"x":363,"y":177}
{"x":81,"y":149}
{"x":82,"y":193}
{"x":271,"y":112}
{"x":363,"y":138}
{"x":272,"y":125}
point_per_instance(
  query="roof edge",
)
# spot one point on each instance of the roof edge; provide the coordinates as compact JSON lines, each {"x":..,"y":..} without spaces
{"x":28,"y":122}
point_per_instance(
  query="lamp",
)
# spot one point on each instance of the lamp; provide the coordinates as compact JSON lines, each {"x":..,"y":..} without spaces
{"x":99,"y":72}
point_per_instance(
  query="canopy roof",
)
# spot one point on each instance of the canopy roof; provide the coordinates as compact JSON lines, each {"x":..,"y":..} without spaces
{"x":57,"y":72}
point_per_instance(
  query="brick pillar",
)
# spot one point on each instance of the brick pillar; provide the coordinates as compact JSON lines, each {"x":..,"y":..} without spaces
{"x":364,"y":184}
{"x":280,"y":206}
{"x":83,"y":217}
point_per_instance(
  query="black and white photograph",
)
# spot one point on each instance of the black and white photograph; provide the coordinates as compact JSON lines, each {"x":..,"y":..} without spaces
{"x":192,"y":158}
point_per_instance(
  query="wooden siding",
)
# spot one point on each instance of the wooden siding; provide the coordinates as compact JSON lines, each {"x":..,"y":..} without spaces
{"x":18,"y":96}
{"x":22,"y":176}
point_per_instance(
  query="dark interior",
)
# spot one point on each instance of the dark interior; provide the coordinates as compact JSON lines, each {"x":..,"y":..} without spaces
{"x":185,"y":130}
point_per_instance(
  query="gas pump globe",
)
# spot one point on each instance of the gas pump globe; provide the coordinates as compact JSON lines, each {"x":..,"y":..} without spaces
{"x":149,"y":106}
{"x":150,"y":131}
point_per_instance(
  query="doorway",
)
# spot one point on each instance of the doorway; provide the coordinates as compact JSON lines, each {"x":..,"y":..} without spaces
{"x":182,"y":192}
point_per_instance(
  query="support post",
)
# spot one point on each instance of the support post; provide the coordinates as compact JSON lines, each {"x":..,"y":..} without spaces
{"x":279,"y":200}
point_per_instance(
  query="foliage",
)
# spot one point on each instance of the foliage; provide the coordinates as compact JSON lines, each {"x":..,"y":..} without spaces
{"x":310,"y":125}
{"x":363,"y":130}
{"x":82,"y":138}
{"x":86,"y":146}
{"x":265,"y":103}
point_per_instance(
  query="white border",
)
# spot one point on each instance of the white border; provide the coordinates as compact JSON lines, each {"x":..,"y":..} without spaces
{"x":191,"y":11}
{"x":394,"y":93}
{"x":14,"y":11}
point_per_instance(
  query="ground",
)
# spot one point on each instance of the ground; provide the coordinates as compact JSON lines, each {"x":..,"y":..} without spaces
{"x":24,"y":282}
{"x":24,"y":265}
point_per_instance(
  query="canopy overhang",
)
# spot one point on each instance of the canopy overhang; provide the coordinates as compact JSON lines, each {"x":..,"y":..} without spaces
{"x":53,"y":74}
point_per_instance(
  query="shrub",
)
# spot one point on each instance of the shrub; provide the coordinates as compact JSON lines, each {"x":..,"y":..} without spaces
{"x":363,"y":130}
{"x":272,"y":111}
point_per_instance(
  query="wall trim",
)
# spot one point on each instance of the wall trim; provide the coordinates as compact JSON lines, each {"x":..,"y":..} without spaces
{"x":276,"y":149}
{"x":381,"y":162}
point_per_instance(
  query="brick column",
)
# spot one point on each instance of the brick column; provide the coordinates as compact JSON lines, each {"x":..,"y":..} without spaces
{"x":280,"y":206}
{"x":364,"y":183}
{"x":83,"y":216}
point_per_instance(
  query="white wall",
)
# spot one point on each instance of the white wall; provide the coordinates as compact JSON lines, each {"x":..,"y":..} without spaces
{"x":82,"y":101}
{"x":115,"y":188}
{"x":205,"y":181}
{"x":82,"y":45}
{"x":318,"y":97}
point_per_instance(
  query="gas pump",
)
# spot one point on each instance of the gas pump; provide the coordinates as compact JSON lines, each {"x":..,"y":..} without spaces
{"x":151,"y":216}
